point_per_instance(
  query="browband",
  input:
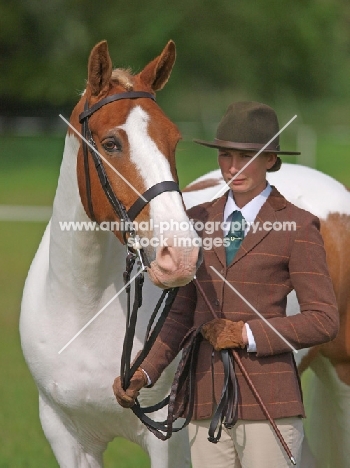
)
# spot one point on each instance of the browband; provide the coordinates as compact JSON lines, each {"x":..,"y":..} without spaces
{"x":114,"y":97}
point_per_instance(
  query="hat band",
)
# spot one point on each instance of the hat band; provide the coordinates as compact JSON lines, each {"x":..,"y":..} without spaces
{"x":245,"y":146}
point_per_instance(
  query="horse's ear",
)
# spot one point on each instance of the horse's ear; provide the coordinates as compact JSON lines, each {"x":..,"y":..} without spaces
{"x":157,"y":72}
{"x":99,"y":69}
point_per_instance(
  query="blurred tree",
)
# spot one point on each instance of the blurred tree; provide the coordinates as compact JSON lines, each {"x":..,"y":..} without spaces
{"x":267,"y":48}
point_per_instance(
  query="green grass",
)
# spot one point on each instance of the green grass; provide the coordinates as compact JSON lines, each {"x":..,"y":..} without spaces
{"x":29,"y":173}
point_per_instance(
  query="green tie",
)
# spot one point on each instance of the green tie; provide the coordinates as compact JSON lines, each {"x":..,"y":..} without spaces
{"x":235,"y":236}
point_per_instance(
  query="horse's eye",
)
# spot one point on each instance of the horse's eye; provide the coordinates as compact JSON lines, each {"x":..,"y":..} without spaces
{"x":112,"y":145}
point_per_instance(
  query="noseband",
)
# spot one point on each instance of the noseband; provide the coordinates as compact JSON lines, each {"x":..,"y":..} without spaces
{"x":126,"y":216}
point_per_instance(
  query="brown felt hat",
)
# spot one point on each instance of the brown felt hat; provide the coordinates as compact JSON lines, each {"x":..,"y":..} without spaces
{"x":247,"y":126}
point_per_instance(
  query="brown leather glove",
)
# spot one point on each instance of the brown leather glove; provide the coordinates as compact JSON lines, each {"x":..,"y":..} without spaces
{"x":223,"y":333}
{"x":126,"y":398}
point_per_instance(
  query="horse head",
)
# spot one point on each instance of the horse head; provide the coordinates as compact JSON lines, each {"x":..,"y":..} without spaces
{"x":132,"y":164}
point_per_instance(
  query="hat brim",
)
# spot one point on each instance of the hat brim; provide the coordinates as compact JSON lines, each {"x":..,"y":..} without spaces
{"x":221,"y":144}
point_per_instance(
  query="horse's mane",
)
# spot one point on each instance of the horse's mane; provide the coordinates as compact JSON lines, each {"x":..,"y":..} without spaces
{"x":124,"y":77}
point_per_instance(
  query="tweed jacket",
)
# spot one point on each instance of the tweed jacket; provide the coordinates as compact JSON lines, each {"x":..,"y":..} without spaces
{"x":269,"y":264}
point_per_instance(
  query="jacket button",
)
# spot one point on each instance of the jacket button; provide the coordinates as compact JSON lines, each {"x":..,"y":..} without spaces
{"x":217,"y":303}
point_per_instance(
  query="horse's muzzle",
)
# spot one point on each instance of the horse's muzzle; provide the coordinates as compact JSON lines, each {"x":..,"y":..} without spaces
{"x":174,"y":266}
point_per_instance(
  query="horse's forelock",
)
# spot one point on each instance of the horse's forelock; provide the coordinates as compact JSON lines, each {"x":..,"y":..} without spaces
{"x":124,"y":77}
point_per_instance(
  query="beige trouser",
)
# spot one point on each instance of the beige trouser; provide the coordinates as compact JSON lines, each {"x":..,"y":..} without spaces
{"x":249,"y":444}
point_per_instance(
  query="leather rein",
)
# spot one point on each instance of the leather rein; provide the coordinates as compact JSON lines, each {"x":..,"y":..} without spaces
{"x":134,"y":251}
{"x":163,"y":430}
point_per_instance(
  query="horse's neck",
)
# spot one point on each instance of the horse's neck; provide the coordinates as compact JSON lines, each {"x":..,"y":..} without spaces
{"x":82,"y":263}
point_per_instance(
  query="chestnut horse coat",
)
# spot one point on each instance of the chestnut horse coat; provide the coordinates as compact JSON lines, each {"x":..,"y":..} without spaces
{"x":269,"y":264}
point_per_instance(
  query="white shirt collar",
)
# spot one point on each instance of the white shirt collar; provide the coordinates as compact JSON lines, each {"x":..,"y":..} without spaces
{"x":250,"y":210}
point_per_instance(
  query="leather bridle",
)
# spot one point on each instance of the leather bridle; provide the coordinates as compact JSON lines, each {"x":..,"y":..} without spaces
{"x":126,"y":216}
{"x":134,"y":250}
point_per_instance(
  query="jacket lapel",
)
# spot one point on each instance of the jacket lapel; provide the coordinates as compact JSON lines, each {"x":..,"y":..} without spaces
{"x":266,"y":217}
{"x":216,"y":215}
{"x":267,"y":213}
{"x":253,"y":238}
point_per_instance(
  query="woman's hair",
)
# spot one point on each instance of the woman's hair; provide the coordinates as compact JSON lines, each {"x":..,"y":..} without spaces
{"x":276,"y":166}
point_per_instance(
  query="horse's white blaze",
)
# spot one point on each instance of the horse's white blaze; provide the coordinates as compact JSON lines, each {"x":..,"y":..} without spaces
{"x":144,"y":153}
{"x":153,"y":166}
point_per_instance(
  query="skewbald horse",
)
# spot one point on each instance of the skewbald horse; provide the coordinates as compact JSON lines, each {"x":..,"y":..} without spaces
{"x":75,"y":274}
